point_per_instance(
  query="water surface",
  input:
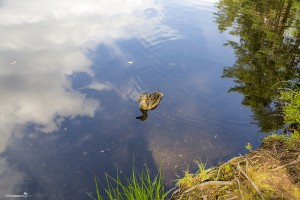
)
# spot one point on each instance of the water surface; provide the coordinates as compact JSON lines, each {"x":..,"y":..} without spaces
{"x":68,"y":93}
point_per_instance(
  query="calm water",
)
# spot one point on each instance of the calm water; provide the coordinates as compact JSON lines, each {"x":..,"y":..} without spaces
{"x":68,"y":93}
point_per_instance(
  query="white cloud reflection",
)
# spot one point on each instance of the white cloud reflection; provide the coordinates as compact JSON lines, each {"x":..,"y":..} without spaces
{"x":43,"y":42}
{"x":99,"y":86}
{"x":11,"y":180}
{"x":199,"y":4}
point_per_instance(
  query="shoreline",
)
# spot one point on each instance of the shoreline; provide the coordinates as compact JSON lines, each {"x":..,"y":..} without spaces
{"x":270,"y":172}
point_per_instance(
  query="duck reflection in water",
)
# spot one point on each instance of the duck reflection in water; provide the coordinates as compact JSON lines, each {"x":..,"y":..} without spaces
{"x":149,"y":102}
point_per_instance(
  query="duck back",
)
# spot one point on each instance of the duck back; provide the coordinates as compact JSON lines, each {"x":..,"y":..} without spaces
{"x":154,"y":99}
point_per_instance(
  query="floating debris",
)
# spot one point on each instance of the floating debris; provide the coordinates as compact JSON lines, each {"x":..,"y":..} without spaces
{"x":130,"y":62}
{"x":13,"y":62}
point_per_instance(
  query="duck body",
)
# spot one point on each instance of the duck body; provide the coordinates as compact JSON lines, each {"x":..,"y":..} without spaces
{"x":150,"y":101}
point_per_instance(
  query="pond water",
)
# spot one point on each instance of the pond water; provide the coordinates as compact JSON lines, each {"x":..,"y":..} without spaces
{"x":70,"y":75}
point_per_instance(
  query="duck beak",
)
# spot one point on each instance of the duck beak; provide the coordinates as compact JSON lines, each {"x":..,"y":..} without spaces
{"x":138,"y":100}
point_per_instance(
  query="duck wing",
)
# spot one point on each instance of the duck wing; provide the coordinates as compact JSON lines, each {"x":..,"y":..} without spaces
{"x":154,"y":96}
{"x":154,"y":99}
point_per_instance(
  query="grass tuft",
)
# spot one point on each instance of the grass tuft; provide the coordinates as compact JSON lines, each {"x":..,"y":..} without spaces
{"x":139,"y":186}
{"x":190,"y":179}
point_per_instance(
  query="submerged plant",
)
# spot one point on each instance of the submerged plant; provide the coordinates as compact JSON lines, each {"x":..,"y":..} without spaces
{"x":139,"y":186}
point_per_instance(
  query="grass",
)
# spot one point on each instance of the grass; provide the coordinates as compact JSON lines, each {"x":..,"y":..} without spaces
{"x":139,"y":186}
{"x":291,"y":108}
{"x":291,"y":139}
{"x":271,"y":172}
{"x":249,"y":147}
{"x":190,"y":179}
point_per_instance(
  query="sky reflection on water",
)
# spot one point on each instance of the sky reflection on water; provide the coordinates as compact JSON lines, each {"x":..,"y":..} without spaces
{"x":64,"y":71}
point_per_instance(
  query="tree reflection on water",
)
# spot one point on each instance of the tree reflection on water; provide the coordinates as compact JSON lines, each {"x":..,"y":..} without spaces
{"x":267,"y":53}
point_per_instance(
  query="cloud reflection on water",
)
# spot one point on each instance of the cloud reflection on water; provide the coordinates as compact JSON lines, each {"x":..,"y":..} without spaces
{"x":200,"y":5}
{"x":42,"y":43}
{"x":11,"y":180}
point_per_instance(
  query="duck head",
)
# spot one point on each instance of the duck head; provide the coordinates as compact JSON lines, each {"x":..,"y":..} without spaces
{"x":143,"y":97}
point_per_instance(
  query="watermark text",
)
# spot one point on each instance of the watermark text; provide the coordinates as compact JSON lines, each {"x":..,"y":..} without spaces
{"x":24,"y":195}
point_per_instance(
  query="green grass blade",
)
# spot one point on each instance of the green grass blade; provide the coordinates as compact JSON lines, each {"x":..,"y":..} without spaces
{"x":139,"y":186}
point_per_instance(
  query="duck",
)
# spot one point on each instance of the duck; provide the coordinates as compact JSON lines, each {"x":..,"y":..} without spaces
{"x":150,"y":101}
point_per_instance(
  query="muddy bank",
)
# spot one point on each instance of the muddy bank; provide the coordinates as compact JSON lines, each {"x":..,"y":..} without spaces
{"x":271,"y":172}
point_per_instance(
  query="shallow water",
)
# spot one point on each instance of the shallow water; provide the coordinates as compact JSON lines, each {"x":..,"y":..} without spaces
{"x":68,"y":92}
